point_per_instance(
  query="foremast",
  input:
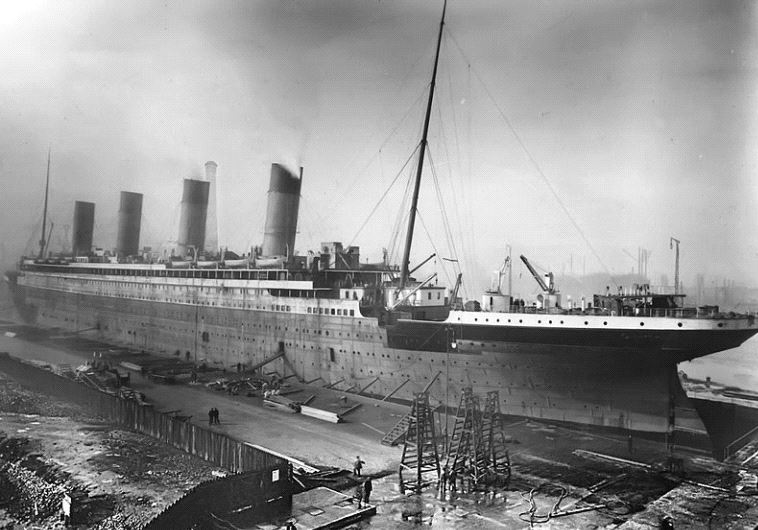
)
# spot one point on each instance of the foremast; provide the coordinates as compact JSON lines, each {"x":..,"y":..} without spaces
{"x":42,"y":242}
{"x":422,"y":151}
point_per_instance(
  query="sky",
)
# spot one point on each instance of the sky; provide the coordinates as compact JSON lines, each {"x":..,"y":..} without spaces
{"x":572,"y":132}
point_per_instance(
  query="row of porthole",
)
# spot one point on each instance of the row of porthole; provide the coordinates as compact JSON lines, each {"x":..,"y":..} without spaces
{"x":586,"y":323}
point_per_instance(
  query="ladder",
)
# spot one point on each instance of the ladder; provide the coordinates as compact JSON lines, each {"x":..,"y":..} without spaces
{"x":397,"y":433}
{"x":467,"y":454}
{"x":494,"y":436}
{"x":420,"y":456}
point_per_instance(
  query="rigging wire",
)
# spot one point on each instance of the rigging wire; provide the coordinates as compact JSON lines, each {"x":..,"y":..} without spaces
{"x":384,"y":195}
{"x":360,"y":172}
{"x":535,"y":164}
{"x":401,"y":219}
{"x":467,"y":241}
{"x":445,"y":218}
{"x":434,"y":247}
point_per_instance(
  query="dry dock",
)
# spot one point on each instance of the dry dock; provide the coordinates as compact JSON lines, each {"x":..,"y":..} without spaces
{"x":562,"y":477}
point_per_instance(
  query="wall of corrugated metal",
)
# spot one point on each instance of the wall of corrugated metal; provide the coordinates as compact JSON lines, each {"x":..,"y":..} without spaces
{"x":217,"y":448}
{"x":237,"y":501}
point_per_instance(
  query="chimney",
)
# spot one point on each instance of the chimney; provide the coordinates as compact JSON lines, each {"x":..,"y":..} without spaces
{"x":84,"y":223}
{"x":211,"y":229}
{"x":129,"y":220}
{"x":281,"y":212}
{"x":192,"y":220}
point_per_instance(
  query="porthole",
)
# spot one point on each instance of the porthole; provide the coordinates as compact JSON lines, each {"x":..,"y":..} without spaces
{"x":586,"y":323}
{"x":679,"y":324}
{"x":642,"y":323}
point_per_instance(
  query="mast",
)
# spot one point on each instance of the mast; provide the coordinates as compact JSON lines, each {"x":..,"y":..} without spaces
{"x":42,"y":242}
{"x":414,"y":202}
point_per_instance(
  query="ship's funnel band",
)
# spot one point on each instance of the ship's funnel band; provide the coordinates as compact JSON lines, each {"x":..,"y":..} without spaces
{"x":284,"y":183}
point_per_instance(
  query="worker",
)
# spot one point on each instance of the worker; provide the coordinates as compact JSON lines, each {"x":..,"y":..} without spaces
{"x":358,"y":466}
{"x":452,"y":478}
{"x":368,"y":487}
{"x":358,"y":495}
{"x":443,"y":479}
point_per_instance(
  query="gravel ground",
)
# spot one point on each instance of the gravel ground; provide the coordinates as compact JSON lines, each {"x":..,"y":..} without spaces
{"x":49,"y":448}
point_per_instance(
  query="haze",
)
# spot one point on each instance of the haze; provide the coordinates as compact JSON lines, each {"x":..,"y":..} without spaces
{"x":641,"y":116}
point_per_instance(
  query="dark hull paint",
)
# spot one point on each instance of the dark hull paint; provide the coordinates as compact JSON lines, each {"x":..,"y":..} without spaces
{"x":670,"y":346}
{"x":728,"y":424}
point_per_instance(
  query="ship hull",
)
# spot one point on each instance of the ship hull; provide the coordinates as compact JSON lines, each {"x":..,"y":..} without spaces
{"x":602,"y":387}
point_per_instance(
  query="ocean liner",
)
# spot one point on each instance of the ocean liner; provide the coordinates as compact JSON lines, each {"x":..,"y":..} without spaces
{"x":323,"y":316}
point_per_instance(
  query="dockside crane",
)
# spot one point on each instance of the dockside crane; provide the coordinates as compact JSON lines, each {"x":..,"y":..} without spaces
{"x":549,"y":289}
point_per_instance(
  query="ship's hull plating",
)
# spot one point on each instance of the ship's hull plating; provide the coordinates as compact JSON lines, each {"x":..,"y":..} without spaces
{"x":571,"y":383}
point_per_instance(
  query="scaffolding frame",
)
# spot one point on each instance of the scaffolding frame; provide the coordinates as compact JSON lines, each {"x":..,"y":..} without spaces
{"x":420,"y":455}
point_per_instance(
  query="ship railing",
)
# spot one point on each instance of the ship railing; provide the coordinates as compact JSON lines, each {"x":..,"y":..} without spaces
{"x":738,"y":443}
{"x":648,"y":312}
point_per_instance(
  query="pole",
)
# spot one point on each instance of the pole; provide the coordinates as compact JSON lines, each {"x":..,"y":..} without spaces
{"x":419,"y":169}
{"x":44,"y":211}
{"x":510,"y":278}
{"x":676,"y":264}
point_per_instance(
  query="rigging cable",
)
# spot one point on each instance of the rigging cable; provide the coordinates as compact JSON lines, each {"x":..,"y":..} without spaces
{"x":445,"y":220}
{"x":536,"y":166}
{"x":384,"y":195}
{"x":360,"y":172}
{"x":465,"y":224}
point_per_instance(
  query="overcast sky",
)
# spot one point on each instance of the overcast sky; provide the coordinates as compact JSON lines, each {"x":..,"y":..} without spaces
{"x":634,"y":122}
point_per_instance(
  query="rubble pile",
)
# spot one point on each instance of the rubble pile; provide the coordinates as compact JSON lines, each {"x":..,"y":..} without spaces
{"x":123,"y":482}
{"x":32,"y":489}
{"x":143,"y":460}
{"x":15,"y":398}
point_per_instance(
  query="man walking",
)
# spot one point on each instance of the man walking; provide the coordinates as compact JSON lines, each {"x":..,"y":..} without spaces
{"x":358,"y":466}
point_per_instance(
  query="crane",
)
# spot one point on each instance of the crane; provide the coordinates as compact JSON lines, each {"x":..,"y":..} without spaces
{"x":497,"y":285}
{"x":454,"y":294}
{"x":549,"y":289}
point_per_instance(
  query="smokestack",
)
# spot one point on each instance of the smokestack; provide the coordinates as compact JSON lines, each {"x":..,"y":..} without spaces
{"x":129,"y":220}
{"x":281,"y":212}
{"x":84,"y":223}
{"x":192,"y":221}
{"x":211,"y":232}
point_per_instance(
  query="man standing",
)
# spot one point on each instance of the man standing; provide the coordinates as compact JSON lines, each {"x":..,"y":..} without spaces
{"x":443,"y":479}
{"x":358,"y":495}
{"x":210,"y":417}
{"x":357,"y":466}
{"x":368,"y":487}
{"x":452,"y":479}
